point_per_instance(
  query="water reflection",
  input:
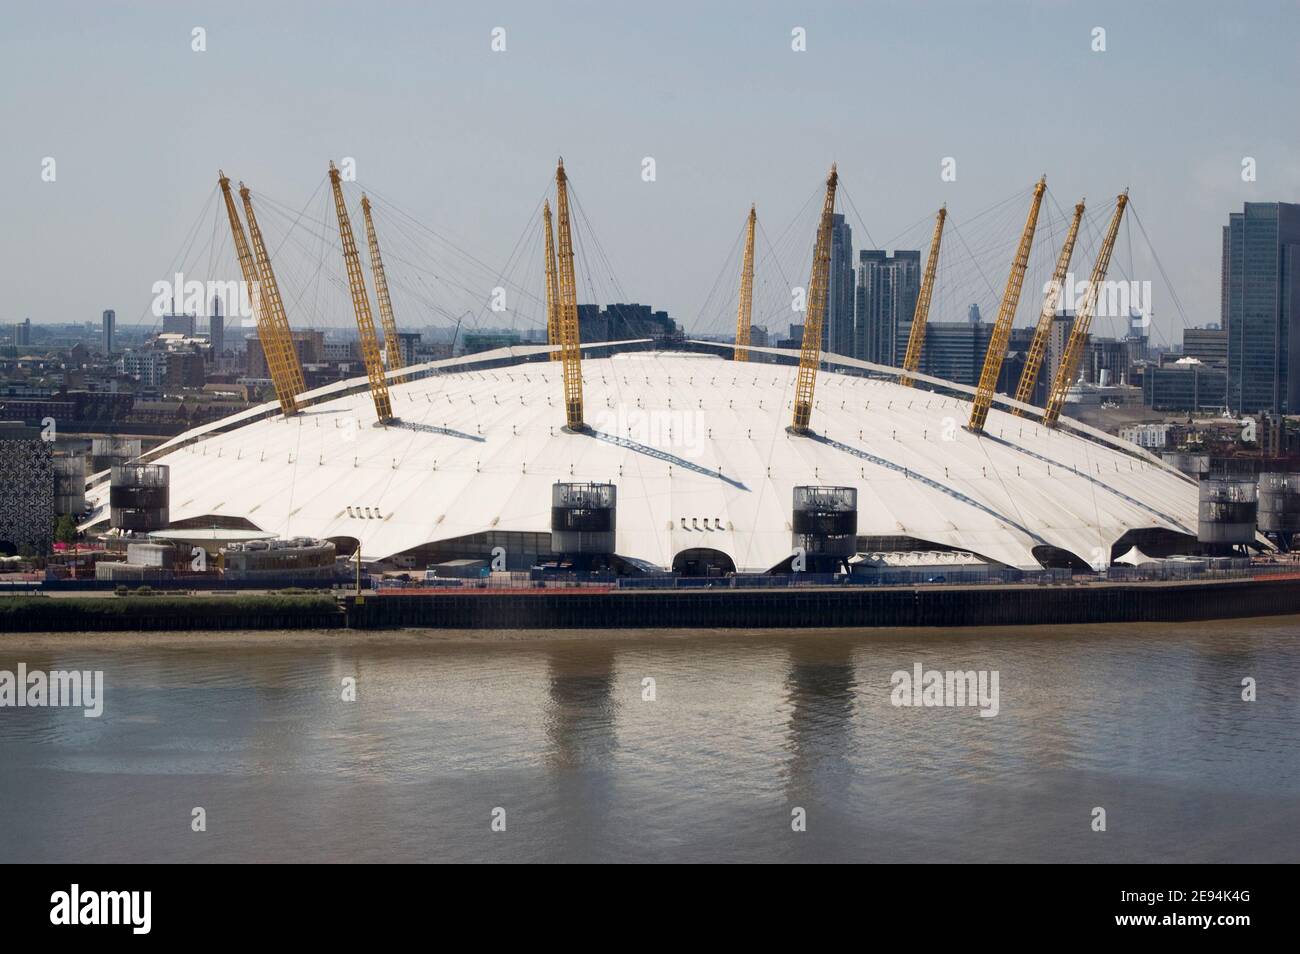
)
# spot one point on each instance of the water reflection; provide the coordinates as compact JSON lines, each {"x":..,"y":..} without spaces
{"x":1148,"y":721}
{"x":821,"y":691}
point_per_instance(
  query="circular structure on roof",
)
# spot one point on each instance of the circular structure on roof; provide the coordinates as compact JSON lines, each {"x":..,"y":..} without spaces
{"x":698,"y":449}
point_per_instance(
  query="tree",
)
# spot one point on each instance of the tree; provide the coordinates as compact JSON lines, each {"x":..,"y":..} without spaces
{"x":65,"y":530}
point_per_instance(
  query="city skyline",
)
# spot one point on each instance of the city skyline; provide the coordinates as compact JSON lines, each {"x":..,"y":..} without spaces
{"x":136,"y":157}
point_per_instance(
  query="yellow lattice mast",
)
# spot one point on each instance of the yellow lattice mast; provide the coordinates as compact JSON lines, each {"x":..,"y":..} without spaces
{"x":286,"y":387}
{"x":1073,"y":356}
{"x":811,"y":351}
{"x":1038,"y":346}
{"x":979,"y":410}
{"x":361,"y":305}
{"x":570,"y":351}
{"x":745,"y":310}
{"x":552,"y":287}
{"x":916,"y":337}
{"x":281,"y":355}
{"x":392,"y":346}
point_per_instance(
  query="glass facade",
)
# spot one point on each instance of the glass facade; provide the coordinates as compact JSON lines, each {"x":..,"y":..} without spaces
{"x":887,"y":289}
{"x":1261,"y":305}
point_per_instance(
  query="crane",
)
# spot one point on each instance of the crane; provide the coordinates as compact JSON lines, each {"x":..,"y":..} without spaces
{"x":392,"y":346}
{"x":281,"y":359}
{"x":1073,"y":356}
{"x":745,"y":309}
{"x":570,"y":351}
{"x":1038,"y":346}
{"x":361,"y":305}
{"x":552,"y":288}
{"x":916,"y":337}
{"x":811,"y":349}
{"x":979,"y":410}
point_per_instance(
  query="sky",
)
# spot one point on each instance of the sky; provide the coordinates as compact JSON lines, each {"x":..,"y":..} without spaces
{"x":466,"y":138}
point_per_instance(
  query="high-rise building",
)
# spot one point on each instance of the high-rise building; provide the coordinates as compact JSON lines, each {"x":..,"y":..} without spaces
{"x":887,"y":288}
{"x":23,"y":332}
{"x":178,"y":325}
{"x":837,"y":331}
{"x":622,"y":321}
{"x":309,"y":346}
{"x":1261,"y":306}
{"x":1207,"y":345}
{"x":1058,"y":337}
{"x":954,"y":350}
{"x":109,"y":327}
{"x":216,"y":330}
{"x":1185,"y":385}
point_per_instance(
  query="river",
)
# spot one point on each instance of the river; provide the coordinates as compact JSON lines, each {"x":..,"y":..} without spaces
{"x":741,"y":738}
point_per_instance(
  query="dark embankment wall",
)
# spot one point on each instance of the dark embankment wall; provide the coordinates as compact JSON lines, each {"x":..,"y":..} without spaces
{"x":847,"y":606}
{"x":74,"y":614}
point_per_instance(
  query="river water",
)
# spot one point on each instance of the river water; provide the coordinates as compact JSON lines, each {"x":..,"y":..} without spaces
{"x":744,"y":730}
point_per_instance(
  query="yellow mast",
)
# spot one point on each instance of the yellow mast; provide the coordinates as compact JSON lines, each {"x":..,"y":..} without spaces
{"x":811,"y":350}
{"x":916,"y":337}
{"x":1038,"y":346}
{"x":361,"y":305}
{"x":392,"y":346}
{"x":1073,"y":356}
{"x":570,"y":351}
{"x":979,"y":410}
{"x":268,"y":309}
{"x":744,"y":311}
{"x":552,"y":288}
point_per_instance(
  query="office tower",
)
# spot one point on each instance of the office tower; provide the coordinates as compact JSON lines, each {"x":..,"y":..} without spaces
{"x":1261,"y":306}
{"x":1207,"y":345}
{"x":837,"y":331}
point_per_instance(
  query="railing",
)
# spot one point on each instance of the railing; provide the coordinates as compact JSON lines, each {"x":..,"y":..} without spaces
{"x":1209,"y":569}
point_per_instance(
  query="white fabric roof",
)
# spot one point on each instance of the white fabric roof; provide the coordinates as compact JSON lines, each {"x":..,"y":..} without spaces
{"x":699,"y":449}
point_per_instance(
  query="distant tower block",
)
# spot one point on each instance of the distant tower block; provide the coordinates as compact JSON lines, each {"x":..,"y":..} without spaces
{"x":138,"y":497}
{"x":216,"y":330}
{"x":1279,"y":507}
{"x":582,"y":519}
{"x":825,"y":525}
{"x":1227,"y":511}
{"x":109,"y":327}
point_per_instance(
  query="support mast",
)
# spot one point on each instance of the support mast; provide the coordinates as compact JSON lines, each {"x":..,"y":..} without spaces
{"x":392,"y":345}
{"x":1038,"y":346}
{"x":361,"y":305}
{"x":916,"y":337}
{"x":1073,"y":356}
{"x":745,"y":310}
{"x":570,"y":350}
{"x":811,"y":350}
{"x":268,"y":309}
{"x":552,"y":286}
{"x":979,"y":410}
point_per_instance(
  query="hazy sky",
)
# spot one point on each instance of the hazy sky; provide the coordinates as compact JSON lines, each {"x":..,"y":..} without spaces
{"x":466,"y":138}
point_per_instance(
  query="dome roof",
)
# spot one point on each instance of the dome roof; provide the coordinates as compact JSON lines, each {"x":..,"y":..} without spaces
{"x":699,"y":450}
